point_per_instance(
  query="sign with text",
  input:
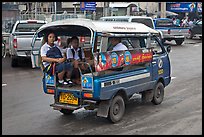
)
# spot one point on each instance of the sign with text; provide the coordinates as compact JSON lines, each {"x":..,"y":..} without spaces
{"x":114,"y":59}
{"x":181,"y":6}
{"x":91,"y":6}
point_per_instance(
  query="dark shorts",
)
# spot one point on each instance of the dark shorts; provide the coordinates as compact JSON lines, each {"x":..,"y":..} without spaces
{"x":59,"y":67}
{"x":63,"y":66}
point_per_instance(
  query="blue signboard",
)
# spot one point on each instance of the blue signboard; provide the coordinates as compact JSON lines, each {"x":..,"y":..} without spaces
{"x":181,"y":6}
{"x":88,"y":6}
{"x":87,"y":82}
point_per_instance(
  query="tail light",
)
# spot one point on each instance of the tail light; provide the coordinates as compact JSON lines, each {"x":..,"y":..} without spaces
{"x":59,"y":41}
{"x":14,"y":43}
{"x":169,"y":31}
{"x":189,"y":31}
{"x":82,"y":39}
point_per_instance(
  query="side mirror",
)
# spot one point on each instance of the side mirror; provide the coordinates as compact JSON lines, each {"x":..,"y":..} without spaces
{"x":168,"y":48}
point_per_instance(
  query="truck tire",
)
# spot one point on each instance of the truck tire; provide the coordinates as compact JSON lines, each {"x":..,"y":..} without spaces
{"x":179,"y":41}
{"x":190,"y":35}
{"x":14,"y":62}
{"x":66,"y":111}
{"x":117,"y":109}
{"x":158,"y":93}
{"x":163,"y":41}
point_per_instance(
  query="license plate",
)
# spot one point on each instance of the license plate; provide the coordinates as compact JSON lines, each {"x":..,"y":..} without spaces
{"x":68,"y":98}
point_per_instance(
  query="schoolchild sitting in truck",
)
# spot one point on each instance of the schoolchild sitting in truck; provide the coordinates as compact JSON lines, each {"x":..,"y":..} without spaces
{"x":75,"y":54}
{"x":116,"y":45}
{"x":51,"y":55}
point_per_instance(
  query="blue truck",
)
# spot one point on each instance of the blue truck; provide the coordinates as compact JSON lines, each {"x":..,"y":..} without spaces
{"x":170,"y":31}
{"x":113,"y":78}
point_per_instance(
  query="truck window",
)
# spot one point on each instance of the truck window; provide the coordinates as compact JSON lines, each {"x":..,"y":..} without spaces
{"x":122,"y":20}
{"x":147,"y":22}
{"x":133,"y":43}
{"x":164,"y":23}
{"x":28,"y":27}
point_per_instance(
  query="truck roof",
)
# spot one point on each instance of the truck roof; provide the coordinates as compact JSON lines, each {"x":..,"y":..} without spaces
{"x":31,"y":21}
{"x":162,"y":19}
{"x":117,"y":17}
{"x":97,"y":26}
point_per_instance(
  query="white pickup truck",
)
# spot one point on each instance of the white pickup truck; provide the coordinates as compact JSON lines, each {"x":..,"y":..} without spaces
{"x":20,"y":39}
{"x":167,"y":31}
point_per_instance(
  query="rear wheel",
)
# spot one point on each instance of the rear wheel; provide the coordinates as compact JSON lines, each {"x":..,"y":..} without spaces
{"x":158,"y":93}
{"x":163,"y":41}
{"x":190,"y":35}
{"x":179,"y":41}
{"x":66,"y":111}
{"x":117,"y":109}
{"x":14,"y":62}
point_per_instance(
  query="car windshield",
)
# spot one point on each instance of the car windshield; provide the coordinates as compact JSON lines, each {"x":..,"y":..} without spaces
{"x":28,"y":27}
{"x":147,"y":22}
{"x":164,"y":23}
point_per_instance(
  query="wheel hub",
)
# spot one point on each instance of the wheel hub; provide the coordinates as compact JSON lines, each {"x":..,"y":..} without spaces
{"x":116,"y":109}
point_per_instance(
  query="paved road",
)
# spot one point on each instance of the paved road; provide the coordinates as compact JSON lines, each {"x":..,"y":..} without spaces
{"x":25,"y":108}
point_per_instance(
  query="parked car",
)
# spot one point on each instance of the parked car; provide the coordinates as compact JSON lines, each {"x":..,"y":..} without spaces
{"x":196,"y":30}
{"x":21,"y":37}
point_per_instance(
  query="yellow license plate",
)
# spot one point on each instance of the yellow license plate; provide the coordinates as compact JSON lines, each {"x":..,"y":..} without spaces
{"x":68,"y":98}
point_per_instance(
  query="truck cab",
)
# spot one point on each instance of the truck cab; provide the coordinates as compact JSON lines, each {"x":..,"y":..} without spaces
{"x":110,"y":82}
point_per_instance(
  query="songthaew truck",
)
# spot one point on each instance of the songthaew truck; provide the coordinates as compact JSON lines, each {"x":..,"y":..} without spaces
{"x":112,"y":77}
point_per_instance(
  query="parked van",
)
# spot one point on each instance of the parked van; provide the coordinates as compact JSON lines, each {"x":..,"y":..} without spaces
{"x":113,"y":77}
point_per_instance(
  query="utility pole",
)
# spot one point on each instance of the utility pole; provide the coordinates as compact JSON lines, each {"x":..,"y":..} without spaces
{"x":163,"y":9}
{"x":106,"y":9}
{"x":36,"y":10}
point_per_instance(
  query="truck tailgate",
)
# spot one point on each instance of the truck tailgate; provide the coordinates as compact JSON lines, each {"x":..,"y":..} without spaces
{"x":24,"y":42}
{"x":174,"y":31}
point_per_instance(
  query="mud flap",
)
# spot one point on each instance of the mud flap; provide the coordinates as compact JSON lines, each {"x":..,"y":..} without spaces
{"x":147,"y":96}
{"x":103,"y":108}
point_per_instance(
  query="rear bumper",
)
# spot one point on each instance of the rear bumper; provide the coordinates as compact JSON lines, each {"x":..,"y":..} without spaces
{"x":23,"y":53}
{"x":172,"y":37}
{"x":59,"y":106}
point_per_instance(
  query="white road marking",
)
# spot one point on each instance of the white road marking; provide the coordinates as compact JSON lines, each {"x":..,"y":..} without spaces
{"x":3,"y":85}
